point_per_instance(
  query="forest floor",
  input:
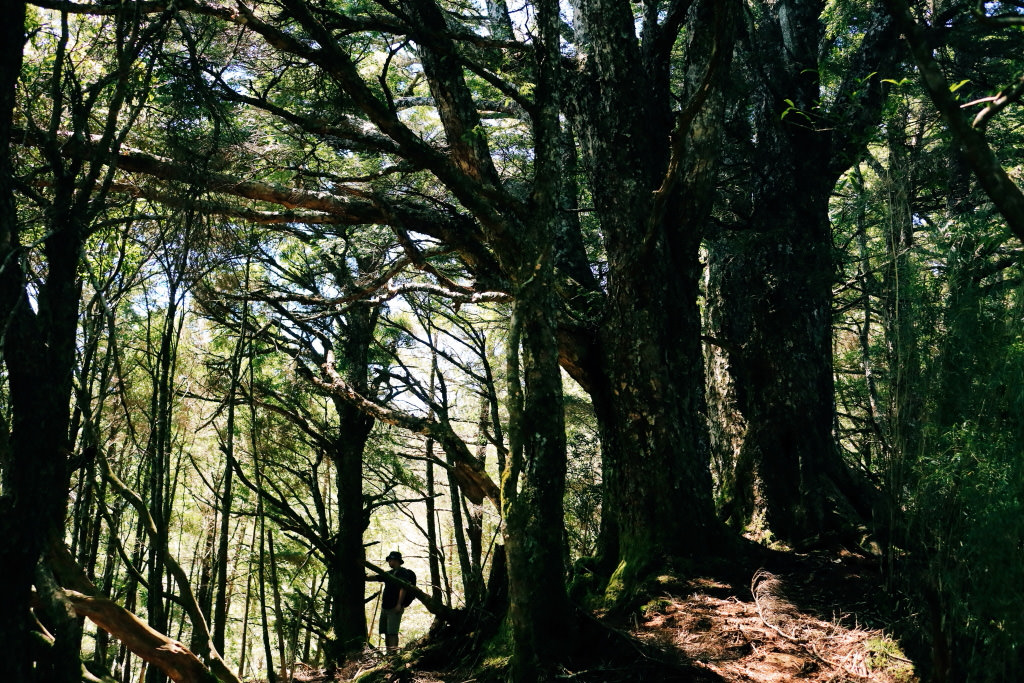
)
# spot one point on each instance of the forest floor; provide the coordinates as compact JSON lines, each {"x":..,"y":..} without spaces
{"x":822,"y":621}
{"x":812,"y":619}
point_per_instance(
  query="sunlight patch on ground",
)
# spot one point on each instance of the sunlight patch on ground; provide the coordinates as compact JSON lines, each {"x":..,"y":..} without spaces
{"x":767,"y":640}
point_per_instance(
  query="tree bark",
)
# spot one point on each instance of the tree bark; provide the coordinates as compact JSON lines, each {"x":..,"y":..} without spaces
{"x":220,"y":602}
{"x":770,"y":275}
{"x":168,"y":655}
{"x":39,"y":353}
{"x":772,"y":286}
{"x":346,"y":574}
{"x":649,"y":176}
{"x":17,"y":506}
{"x":534,"y":485}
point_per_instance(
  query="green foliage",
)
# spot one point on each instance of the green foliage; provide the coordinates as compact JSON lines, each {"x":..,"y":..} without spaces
{"x":886,"y":657}
{"x":968,"y":516}
{"x":929,"y":377}
{"x":583,"y":478}
{"x":959,"y":502}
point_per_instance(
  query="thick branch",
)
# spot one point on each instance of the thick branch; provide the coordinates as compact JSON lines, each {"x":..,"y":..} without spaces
{"x":163,"y":652}
{"x":435,"y":607}
{"x":475,"y":483}
{"x":170,"y":656}
{"x":998,"y":185}
{"x":718,"y":61}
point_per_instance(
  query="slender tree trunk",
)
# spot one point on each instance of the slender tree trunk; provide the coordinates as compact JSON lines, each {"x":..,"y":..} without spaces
{"x":474,"y":513}
{"x":100,"y":654}
{"x":346,"y":570}
{"x":898,"y":293}
{"x":132,"y":594}
{"x":268,"y":650}
{"x":275,"y":590}
{"x":459,"y":538}
{"x":433,"y":548}
{"x":204,"y":588}
{"x":244,"y":654}
{"x":220,"y":603}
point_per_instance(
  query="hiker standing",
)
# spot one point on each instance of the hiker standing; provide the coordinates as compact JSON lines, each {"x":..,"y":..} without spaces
{"x":395,"y":599}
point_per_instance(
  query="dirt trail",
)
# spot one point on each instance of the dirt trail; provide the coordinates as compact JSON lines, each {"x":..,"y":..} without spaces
{"x":765,"y":638}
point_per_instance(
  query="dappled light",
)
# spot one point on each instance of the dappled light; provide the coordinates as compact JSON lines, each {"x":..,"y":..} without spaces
{"x":437,"y":341}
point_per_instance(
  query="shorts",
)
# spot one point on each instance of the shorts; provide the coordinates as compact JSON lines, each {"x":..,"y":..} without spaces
{"x":390,"y":621}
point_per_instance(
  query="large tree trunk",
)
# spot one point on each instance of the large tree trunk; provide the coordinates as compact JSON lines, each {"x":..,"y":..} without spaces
{"x":770,"y":275}
{"x":39,"y":353}
{"x":534,"y":486}
{"x":772,"y":290}
{"x":345,"y":571}
{"x":533,"y":480}
{"x":648,"y":183}
{"x":17,"y":555}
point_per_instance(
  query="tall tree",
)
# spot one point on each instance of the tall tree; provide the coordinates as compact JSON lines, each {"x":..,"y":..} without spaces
{"x":478,"y":200}
{"x":771,"y":268}
{"x":17,"y":484}
{"x":649,"y":171}
{"x":40,"y":290}
{"x":970,"y":136}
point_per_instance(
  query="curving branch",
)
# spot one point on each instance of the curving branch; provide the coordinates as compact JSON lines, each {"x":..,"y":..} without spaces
{"x":167,"y":654}
{"x":435,"y":607}
{"x":189,"y":601}
{"x":468,"y":470}
{"x":998,"y":102}
{"x":347,"y":205}
{"x":989,"y":171}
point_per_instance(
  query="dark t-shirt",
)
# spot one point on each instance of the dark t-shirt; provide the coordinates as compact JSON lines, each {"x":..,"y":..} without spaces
{"x":391,"y":589}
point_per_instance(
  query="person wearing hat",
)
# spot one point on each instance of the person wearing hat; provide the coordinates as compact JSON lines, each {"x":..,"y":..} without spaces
{"x":395,"y":599}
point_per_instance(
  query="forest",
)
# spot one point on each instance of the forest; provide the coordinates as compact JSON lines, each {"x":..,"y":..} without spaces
{"x":586,"y":308}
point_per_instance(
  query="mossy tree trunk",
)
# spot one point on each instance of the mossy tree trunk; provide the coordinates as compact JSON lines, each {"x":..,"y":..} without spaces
{"x":649,"y":171}
{"x":771,"y":272}
{"x":534,"y":485}
{"x":773,"y":287}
